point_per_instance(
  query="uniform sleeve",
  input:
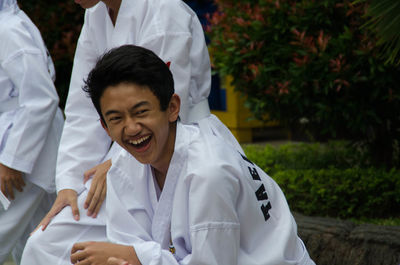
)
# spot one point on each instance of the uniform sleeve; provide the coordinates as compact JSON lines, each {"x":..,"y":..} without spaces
{"x":84,"y":143}
{"x":213,"y":223}
{"x":25,"y":66}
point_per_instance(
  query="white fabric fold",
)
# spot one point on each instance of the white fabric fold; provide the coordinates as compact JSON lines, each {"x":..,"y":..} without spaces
{"x":4,"y":201}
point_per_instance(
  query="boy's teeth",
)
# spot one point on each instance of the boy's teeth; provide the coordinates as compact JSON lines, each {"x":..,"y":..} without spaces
{"x":138,"y":141}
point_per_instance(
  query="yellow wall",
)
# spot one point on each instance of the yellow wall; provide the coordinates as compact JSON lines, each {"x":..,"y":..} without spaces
{"x":236,"y":117}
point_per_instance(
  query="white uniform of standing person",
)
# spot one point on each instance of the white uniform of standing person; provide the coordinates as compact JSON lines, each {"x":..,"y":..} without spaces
{"x":30,"y":128}
{"x":216,"y":207}
{"x":170,"y":29}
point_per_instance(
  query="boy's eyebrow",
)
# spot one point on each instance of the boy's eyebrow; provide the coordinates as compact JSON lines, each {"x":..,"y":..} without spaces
{"x":137,"y":105}
{"x":110,"y":112}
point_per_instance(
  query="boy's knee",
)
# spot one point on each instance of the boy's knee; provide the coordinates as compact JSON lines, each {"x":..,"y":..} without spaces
{"x":33,"y":241}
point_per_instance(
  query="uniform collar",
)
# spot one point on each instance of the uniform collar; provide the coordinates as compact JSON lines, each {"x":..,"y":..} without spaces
{"x":161,"y":225}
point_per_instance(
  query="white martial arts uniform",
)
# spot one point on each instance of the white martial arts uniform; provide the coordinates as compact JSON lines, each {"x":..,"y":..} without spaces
{"x":171,"y":30}
{"x":216,"y":207}
{"x":30,"y":125}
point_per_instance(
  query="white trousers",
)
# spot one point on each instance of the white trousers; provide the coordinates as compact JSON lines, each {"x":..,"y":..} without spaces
{"x":25,"y":212}
{"x":53,"y":245}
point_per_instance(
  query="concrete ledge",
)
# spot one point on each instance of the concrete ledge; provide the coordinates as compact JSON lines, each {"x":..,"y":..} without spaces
{"x":337,"y":242}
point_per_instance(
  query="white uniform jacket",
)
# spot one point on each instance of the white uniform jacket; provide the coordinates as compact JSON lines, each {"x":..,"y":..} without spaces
{"x":216,"y":207}
{"x":167,"y":27}
{"x":30,"y":120}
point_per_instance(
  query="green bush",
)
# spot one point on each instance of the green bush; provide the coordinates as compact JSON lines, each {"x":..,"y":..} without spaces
{"x":333,"y":179}
{"x":310,"y":65}
{"x":338,"y":154}
{"x":344,"y":193}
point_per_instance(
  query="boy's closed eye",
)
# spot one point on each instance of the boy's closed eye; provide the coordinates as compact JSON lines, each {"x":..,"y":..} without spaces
{"x":114,"y":119}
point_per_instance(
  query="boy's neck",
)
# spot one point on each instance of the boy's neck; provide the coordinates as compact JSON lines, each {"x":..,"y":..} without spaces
{"x":160,"y":170}
{"x":160,"y":178}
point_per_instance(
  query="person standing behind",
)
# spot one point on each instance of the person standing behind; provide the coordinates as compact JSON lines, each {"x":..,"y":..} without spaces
{"x":171,"y":30}
{"x":30,"y":129}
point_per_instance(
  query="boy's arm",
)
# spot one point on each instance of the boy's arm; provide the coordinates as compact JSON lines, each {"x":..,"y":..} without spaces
{"x":116,"y":261}
{"x":214,"y":229}
{"x":213,"y":221}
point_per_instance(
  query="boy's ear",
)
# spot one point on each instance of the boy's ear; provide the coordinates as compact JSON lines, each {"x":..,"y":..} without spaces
{"x":173,"y":107}
{"x":105,"y":127}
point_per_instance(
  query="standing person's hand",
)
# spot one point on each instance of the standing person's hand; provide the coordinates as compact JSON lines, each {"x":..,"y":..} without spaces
{"x":98,"y":188}
{"x":64,"y":198}
{"x":10,"y":179}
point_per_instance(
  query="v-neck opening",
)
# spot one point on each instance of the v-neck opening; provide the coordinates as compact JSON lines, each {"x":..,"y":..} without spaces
{"x":163,"y":211}
{"x":157,"y":188}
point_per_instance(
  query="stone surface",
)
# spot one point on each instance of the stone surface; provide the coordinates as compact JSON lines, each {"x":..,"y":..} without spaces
{"x":337,"y":242}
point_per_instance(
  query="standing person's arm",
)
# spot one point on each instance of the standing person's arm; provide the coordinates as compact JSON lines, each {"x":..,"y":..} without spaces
{"x":84,"y":143}
{"x":25,"y":66}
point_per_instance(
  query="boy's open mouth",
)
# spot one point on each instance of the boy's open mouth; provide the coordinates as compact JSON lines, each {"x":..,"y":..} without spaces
{"x":141,"y":142}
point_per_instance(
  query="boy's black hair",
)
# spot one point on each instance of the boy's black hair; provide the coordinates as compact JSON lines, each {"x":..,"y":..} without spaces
{"x":130,"y":64}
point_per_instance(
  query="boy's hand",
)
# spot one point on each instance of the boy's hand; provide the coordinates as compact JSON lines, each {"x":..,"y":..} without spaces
{"x":115,"y":261}
{"x":10,"y":179}
{"x":99,"y":253}
{"x":64,"y":198}
{"x":98,"y":188}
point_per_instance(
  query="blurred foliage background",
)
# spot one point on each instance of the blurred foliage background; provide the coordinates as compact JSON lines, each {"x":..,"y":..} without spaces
{"x":60,"y":23}
{"x":384,"y":19}
{"x":314,"y":66}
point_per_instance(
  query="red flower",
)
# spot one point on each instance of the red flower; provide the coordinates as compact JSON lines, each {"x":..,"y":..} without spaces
{"x":337,"y":64}
{"x":323,"y":40}
{"x":300,"y":61}
{"x":255,"y":69}
{"x":341,"y":82}
{"x":283,"y":87}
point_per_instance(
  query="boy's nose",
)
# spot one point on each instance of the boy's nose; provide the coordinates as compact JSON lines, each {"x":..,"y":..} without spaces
{"x":132,"y":127}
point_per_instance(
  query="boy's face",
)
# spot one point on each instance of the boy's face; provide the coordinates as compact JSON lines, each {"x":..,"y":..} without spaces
{"x":135,"y":121}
